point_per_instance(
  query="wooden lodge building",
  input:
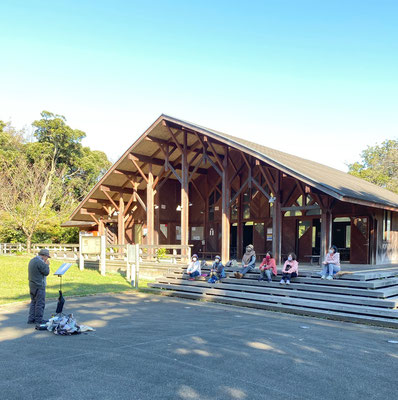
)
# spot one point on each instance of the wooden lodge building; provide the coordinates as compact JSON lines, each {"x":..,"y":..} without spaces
{"x":181,"y":183}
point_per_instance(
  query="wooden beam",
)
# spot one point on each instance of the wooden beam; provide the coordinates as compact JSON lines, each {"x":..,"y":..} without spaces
{"x":132,"y":198}
{"x":301,"y":208}
{"x":216,"y":156}
{"x":109,"y":198}
{"x":118,"y":189}
{"x":198,"y":191}
{"x":95,"y":219}
{"x":174,"y":138}
{"x":268,"y":178}
{"x":139,"y":169}
{"x":260,"y":188}
{"x":94,"y":211}
{"x":240,"y":190}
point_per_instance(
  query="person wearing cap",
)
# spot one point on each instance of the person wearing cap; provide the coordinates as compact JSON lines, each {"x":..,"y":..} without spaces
{"x":193,"y":269}
{"x":38,"y":269}
{"x":248,"y":262}
{"x":217,"y":270}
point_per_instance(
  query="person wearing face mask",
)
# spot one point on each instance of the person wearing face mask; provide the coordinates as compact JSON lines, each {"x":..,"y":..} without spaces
{"x":217,"y":270}
{"x":267,"y":268}
{"x":193,"y":269}
{"x":290,"y":269}
{"x":331,"y":265}
{"x":248,"y":262}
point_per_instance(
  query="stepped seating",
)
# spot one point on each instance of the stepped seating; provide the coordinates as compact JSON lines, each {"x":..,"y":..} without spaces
{"x":369,"y":297}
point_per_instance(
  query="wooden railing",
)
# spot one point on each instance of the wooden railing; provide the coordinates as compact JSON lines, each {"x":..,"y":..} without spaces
{"x":60,"y":251}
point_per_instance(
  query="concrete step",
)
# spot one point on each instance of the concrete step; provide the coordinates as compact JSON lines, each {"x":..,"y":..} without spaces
{"x":315,"y":304}
{"x":264,"y":288}
{"x":308,"y":311}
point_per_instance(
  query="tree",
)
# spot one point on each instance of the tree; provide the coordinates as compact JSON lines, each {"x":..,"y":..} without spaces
{"x":379,"y":165}
{"x":21,"y":188}
{"x":41,"y":182}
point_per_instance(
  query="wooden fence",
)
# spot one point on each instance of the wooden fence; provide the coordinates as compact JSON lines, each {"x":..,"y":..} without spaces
{"x":59,"y":251}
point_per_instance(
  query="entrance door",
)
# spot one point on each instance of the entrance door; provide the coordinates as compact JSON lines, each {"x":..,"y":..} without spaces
{"x":304,"y":240}
{"x":341,"y":236}
{"x":359,"y":240}
{"x":308,"y":239}
{"x":247,"y":235}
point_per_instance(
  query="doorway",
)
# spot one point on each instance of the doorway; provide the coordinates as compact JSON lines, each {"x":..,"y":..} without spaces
{"x":247,"y":234}
{"x":341,"y":237}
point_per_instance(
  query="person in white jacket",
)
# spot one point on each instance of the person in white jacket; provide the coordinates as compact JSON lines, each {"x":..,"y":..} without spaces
{"x":331,"y":265}
{"x":193,"y":269}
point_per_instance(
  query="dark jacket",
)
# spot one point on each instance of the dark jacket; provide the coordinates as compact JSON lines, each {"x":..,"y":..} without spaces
{"x":218,"y":267}
{"x":38,"y":270}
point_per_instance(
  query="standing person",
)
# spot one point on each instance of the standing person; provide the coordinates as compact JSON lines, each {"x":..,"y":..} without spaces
{"x":331,"y":265}
{"x":38,"y":269}
{"x":193,"y":269}
{"x":290,"y":269}
{"x":268,"y":268}
{"x":248,"y":262}
{"x":217,"y":270}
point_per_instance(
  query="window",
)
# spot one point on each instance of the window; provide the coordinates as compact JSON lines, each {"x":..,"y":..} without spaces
{"x":387,"y":226}
{"x":197,"y":233}
{"x":303,"y":226}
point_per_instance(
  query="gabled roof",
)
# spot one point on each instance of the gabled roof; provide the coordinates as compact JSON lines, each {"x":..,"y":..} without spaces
{"x":331,"y":181}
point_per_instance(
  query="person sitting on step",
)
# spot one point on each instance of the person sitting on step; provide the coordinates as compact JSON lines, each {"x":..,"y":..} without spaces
{"x":217,"y":270}
{"x":193,"y":269}
{"x":290,"y":269}
{"x":248,"y":262}
{"x":331,"y":265}
{"x":268,"y":268}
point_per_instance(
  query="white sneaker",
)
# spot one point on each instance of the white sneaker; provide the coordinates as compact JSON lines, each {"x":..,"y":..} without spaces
{"x":323,"y":276}
{"x":329,"y":277}
{"x":288,"y":282}
{"x":282,"y":282}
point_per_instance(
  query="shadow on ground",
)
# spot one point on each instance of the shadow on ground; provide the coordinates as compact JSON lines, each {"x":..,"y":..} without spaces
{"x":152,"y":347}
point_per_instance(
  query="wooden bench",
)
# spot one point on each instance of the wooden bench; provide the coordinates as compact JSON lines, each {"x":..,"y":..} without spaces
{"x":313,"y":257}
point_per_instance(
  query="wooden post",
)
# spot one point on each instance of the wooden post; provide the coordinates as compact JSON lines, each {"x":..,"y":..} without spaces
{"x":239,"y":233}
{"x":225,"y":223}
{"x":157,"y":218}
{"x":184,"y":197}
{"x":150,"y":216}
{"x":120,"y":222}
{"x":101,"y":227}
{"x":326,"y":227}
{"x":277,"y":223}
{"x":103,"y":256}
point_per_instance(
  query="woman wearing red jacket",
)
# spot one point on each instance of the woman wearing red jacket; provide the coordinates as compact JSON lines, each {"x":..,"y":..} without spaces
{"x":267,"y":268}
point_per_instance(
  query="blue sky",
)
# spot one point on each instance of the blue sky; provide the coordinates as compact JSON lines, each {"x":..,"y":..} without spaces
{"x":313,"y":78}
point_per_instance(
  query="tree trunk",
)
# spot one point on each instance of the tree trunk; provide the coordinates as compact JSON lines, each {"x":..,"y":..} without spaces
{"x":50,"y":179}
{"x":28,"y":243}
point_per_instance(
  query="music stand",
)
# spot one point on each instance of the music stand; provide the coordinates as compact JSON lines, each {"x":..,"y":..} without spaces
{"x":60,"y":272}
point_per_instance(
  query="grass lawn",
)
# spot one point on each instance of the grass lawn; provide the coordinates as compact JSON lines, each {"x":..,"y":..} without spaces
{"x":14,"y":280}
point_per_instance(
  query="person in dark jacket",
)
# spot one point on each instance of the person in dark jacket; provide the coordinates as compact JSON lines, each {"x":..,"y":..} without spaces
{"x":217,"y":270}
{"x":38,"y":269}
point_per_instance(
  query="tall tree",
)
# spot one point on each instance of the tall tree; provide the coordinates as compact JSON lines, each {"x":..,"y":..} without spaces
{"x":41,"y":182}
{"x":379,"y":165}
{"x":63,"y":141}
{"x":21,"y":189}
